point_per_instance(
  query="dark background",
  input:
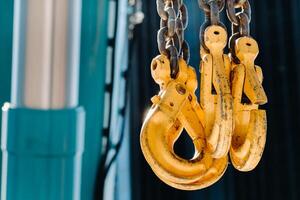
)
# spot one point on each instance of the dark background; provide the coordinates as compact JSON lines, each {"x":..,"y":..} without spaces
{"x":276,"y":26}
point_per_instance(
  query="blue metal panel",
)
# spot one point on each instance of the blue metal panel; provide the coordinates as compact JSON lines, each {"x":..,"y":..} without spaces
{"x":92,"y":73}
{"x":42,"y":149}
{"x":42,"y":152}
{"x":92,"y":81}
{"x":118,"y":183}
{"x":6,"y":24}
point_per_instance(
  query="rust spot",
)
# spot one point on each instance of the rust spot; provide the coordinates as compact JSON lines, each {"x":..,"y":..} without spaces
{"x":180,"y":89}
{"x":154,"y":66}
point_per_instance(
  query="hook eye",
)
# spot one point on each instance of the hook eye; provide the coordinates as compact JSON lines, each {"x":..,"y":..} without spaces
{"x":246,"y":48}
{"x":160,"y":70}
{"x":215,"y":37}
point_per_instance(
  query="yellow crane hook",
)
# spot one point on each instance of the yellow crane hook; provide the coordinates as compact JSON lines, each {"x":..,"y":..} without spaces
{"x":215,"y":93}
{"x":175,"y":108}
{"x":249,"y":135}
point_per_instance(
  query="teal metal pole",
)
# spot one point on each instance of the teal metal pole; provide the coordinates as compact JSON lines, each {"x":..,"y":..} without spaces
{"x":42,"y":138}
{"x":41,"y":153}
{"x":94,"y":39}
{"x":6,"y":22}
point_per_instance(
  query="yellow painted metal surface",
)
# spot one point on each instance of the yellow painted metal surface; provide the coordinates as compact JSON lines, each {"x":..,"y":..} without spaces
{"x":226,"y":121}
{"x":249,"y":135}
{"x":215,"y":94}
{"x":173,"y":109}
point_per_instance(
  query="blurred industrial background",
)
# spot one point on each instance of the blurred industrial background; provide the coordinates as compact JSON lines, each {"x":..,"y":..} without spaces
{"x":108,"y":77}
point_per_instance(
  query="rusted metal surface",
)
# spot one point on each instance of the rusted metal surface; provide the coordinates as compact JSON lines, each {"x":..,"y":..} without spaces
{"x":170,"y":37}
{"x":227,"y":120}
{"x":215,"y":94}
{"x":176,"y":108}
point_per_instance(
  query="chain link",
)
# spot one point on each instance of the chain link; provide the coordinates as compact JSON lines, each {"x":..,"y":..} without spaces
{"x":170,"y":37}
{"x":232,"y":5}
{"x":212,"y":9}
{"x":240,"y":22}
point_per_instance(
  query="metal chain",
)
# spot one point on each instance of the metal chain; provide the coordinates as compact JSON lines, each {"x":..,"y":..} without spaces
{"x":170,"y":37}
{"x":240,"y":22}
{"x":212,"y":9}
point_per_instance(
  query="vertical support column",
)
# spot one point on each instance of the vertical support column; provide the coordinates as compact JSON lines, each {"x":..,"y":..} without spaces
{"x":46,"y":48}
{"x":6,"y":20}
{"x":92,"y":88}
{"x":118,"y":180}
{"x":42,"y":137}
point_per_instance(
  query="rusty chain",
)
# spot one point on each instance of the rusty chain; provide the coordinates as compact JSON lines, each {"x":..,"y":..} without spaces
{"x":212,"y":10}
{"x":240,"y":22}
{"x":170,"y":37}
{"x":174,"y":20}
